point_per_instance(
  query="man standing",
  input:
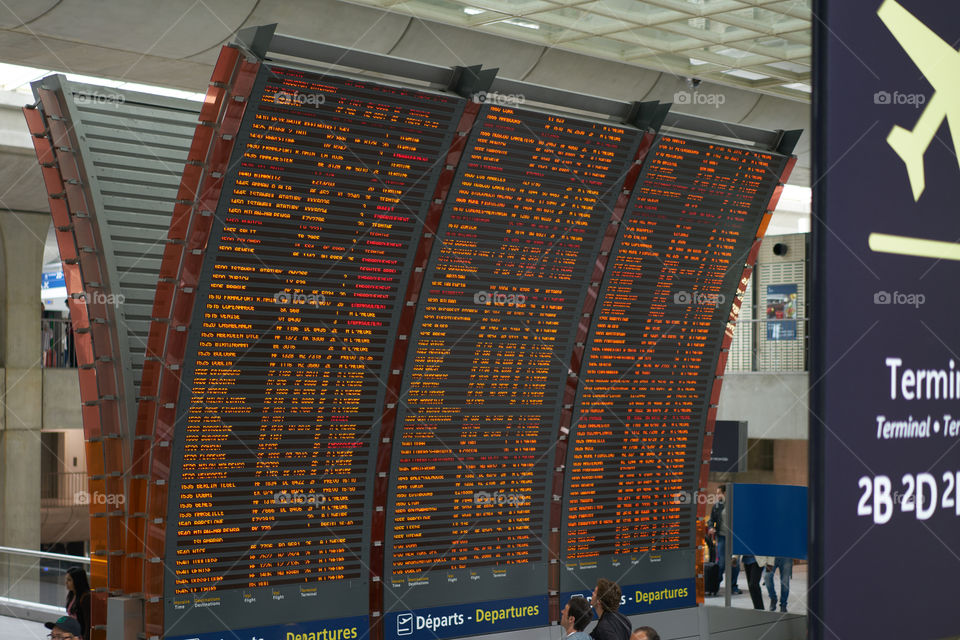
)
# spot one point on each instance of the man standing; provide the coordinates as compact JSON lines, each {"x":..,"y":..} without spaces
{"x":612,"y":625}
{"x":65,"y":628}
{"x":718,"y":524}
{"x":785,"y":565}
{"x":575,"y":617}
{"x":753,"y":565}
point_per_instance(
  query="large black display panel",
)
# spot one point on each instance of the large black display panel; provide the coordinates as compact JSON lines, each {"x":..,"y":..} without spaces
{"x":292,"y":330}
{"x":633,"y":461}
{"x":491,"y":349}
{"x":885,"y":368}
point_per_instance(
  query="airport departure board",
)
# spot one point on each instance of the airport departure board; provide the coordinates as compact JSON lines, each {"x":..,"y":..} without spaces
{"x":292,"y":329}
{"x":497,"y":316}
{"x":644,"y":389}
{"x":336,"y":189}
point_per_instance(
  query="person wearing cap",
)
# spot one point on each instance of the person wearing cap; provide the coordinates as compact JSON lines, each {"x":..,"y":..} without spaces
{"x":65,"y":628}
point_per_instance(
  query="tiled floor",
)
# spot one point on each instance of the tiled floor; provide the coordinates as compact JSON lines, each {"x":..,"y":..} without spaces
{"x":796,"y":603}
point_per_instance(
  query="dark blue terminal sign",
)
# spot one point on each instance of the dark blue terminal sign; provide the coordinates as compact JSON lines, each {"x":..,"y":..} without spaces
{"x":467,"y":518}
{"x":294,"y":322}
{"x":885,"y":419}
{"x":649,"y":367}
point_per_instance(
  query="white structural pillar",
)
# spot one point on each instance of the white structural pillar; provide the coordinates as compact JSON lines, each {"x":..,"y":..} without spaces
{"x":22,"y":238}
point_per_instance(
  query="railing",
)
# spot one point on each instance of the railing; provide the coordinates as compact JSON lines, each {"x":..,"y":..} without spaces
{"x":63,"y":489}
{"x":769,"y":345}
{"x":56,"y":343}
{"x":36,"y":577}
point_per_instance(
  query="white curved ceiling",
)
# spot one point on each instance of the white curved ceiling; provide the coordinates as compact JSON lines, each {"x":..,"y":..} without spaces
{"x":762,"y":45}
{"x":175,"y":42}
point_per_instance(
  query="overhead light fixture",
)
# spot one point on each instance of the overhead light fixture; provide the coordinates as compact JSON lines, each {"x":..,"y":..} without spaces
{"x":786,"y":65}
{"x":746,"y":75}
{"x":798,"y":86}
{"x":522,"y":23}
{"x":473,"y":11}
{"x":730,"y":52}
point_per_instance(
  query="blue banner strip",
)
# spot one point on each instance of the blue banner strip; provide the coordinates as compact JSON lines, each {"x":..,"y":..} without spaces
{"x":650,"y":596}
{"x":467,"y":619}
{"x":356,"y":628}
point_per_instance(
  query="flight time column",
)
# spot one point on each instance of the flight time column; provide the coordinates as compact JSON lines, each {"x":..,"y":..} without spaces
{"x":312,"y":243}
{"x":651,"y":359}
{"x":498,"y":312}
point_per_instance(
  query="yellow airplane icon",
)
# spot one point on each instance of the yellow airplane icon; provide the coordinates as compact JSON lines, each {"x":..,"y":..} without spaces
{"x":940,"y":64}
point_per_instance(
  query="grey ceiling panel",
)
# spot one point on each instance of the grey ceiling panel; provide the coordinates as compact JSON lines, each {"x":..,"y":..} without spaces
{"x":592,"y":76}
{"x":773,"y":113}
{"x":15,"y":13}
{"x":136,"y":149}
{"x":706,"y":99}
{"x":172,"y":28}
{"x":143,"y":282}
{"x":139,"y":115}
{"x":106,"y":159}
{"x":132,"y":147}
{"x":137,"y":264}
{"x":750,"y":48}
{"x":357,"y":27}
{"x":450,"y":46}
{"x":138,"y":219}
{"x":135,"y":175}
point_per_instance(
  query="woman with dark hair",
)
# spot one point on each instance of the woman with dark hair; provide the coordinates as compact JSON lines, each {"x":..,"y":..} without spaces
{"x":78,"y":598}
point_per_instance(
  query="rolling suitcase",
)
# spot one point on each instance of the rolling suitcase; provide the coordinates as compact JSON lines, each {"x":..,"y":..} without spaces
{"x":711,"y":578}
